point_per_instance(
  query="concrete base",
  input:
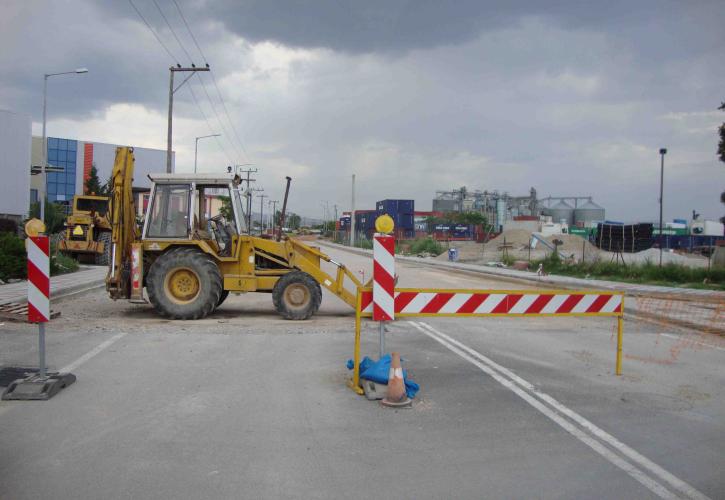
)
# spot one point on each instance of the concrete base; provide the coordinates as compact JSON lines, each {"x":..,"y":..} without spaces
{"x":37,"y":388}
{"x":373,"y":391}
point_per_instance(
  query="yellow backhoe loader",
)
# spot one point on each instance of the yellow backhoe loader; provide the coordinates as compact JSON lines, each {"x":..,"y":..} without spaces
{"x":188,"y":261}
{"x":87,"y":230}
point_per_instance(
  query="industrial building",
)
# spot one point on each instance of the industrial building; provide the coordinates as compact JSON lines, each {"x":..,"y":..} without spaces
{"x":15,"y":133}
{"x":74,"y":159}
{"x":69,"y":162}
{"x":501,"y":207}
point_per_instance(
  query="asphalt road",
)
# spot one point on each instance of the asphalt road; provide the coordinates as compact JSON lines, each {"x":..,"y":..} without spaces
{"x":246,"y":405}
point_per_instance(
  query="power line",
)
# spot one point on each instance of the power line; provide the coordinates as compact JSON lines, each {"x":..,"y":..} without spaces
{"x":221,"y":123}
{"x":172,"y":31}
{"x":154,"y":32}
{"x":216,"y":85}
{"x":208,"y":124}
{"x":190,"y":32}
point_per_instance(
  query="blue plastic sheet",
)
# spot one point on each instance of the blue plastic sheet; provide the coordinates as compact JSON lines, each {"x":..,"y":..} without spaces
{"x":378,"y":372}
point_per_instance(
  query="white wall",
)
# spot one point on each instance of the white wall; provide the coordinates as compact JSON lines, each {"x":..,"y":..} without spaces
{"x":15,"y":144}
{"x":148,"y":161}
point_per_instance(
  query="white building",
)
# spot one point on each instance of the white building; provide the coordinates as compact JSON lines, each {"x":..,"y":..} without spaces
{"x":15,"y":133}
{"x":76,"y":157}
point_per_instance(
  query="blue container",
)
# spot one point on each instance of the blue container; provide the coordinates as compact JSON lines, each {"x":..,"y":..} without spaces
{"x":453,"y":254}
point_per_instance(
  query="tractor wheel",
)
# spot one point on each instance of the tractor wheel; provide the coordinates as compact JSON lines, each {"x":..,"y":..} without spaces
{"x":104,"y":258}
{"x":184,"y":283}
{"x":296,"y":295}
{"x":223,"y":297}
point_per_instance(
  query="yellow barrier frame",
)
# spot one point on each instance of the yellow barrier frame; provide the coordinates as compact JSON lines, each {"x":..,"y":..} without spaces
{"x":359,"y":314}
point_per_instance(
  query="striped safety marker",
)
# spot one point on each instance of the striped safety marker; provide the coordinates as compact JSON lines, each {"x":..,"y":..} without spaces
{"x":490,"y":303}
{"x":383,"y":278}
{"x":38,"y":279}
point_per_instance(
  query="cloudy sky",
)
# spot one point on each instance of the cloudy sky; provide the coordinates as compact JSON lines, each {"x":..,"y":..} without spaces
{"x":573,"y":98}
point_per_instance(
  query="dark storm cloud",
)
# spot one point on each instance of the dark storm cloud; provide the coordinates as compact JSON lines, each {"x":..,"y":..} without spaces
{"x":400,"y":25}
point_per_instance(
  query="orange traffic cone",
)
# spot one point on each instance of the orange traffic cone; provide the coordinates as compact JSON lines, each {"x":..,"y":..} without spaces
{"x":396,"y":396}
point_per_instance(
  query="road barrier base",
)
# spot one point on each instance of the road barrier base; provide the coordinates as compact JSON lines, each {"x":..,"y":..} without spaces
{"x":37,"y":388}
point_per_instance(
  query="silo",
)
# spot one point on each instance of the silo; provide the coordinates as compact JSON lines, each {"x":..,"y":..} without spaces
{"x":561,"y":211}
{"x":588,"y":213}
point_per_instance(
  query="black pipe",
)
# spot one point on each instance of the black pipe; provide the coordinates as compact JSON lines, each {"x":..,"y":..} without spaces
{"x":284,"y":209}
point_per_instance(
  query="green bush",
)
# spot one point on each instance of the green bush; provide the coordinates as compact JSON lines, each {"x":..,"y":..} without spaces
{"x":13,"y":263}
{"x":62,"y":264}
{"x":426,"y":245}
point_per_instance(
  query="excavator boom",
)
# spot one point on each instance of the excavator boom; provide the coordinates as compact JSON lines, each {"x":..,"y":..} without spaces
{"x":124,"y":231}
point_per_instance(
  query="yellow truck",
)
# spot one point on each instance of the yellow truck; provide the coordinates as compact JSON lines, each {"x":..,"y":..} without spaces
{"x":87,"y":233}
{"x":188,"y":261}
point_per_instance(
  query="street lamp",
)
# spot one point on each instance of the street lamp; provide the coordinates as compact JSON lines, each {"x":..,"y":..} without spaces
{"x":77,"y":71}
{"x":663,"y":152}
{"x":196,"y":146}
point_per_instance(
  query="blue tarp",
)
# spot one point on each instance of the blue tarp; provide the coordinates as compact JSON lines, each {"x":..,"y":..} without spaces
{"x":378,"y":372}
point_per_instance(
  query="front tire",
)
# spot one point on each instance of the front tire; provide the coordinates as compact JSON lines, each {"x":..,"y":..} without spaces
{"x":104,"y":258}
{"x":296,"y":296}
{"x":184,"y":283}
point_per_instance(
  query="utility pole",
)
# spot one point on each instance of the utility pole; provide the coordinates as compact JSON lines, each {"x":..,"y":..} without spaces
{"x":249,"y":180}
{"x":274,"y":212}
{"x":352,"y":214}
{"x":663,"y":152}
{"x":261,"y":212}
{"x":193,"y":69}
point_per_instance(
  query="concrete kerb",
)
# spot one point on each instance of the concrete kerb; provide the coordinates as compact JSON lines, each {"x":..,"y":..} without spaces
{"x":521,"y":277}
{"x":62,"y":293}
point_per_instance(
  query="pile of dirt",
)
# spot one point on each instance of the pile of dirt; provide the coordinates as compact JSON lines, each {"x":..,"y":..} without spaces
{"x":573,"y":245}
{"x":515,"y":237}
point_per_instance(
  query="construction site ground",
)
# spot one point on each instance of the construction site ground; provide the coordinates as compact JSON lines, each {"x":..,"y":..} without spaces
{"x":244,"y":404}
{"x":515,"y":244}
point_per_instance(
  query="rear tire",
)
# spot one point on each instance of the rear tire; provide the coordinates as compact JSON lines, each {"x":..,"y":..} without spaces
{"x":296,"y":296}
{"x":223,"y":297}
{"x":102,"y":259}
{"x":184,"y":283}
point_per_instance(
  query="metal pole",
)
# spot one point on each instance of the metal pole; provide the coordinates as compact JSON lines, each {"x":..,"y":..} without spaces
{"x":196,"y":152}
{"x":284,"y":208}
{"x":352,"y":214}
{"x":663,"y":152}
{"x":41,"y":348}
{"x":382,"y":340}
{"x":45,"y":151}
{"x":620,"y":334}
{"x":171,"y":111}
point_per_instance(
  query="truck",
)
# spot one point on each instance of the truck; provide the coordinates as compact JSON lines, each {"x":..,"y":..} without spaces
{"x":87,"y":233}
{"x":187,"y":261}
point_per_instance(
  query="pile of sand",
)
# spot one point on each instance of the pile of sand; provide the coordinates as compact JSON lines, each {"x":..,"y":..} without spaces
{"x":516,"y":237}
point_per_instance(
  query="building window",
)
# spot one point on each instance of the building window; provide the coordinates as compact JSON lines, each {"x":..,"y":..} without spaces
{"x":33,"y":196}
{"x":62,"y":154}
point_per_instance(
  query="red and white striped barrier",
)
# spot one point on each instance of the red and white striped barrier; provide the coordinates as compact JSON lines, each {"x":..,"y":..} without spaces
{"x":383,"y":304}
{"x":490,"y":302}
{"x":38,"y":279}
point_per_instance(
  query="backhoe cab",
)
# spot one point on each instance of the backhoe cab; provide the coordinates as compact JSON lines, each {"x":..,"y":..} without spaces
{"x":191,"y":254}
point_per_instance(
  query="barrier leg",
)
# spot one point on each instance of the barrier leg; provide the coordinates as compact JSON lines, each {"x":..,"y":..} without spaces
{"x":355,"y":382}
{"x":620,"y":334}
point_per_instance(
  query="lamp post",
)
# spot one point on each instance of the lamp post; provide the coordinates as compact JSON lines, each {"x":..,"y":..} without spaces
{"x":663,"y":152}
{"x":77,"y":71}
{"x":196,"y":146}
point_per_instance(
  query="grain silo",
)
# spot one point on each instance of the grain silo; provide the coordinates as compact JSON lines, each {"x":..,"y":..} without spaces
{"x":588,"y":214}
{"x":562,"y":211}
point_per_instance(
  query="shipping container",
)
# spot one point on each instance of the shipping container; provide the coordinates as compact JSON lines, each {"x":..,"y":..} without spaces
{"x":402,"y":212}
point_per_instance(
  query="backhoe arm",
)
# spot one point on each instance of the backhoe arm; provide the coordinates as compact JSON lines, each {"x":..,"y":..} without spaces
{"x":122,"y":214}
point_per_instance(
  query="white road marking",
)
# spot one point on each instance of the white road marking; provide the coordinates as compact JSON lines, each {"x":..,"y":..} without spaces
{"x":529,"y":393}
{"x":103,"y":345}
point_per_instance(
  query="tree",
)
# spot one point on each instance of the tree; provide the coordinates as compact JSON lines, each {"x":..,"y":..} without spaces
{"x":293,"y":221}
{"x":226,"y":209}
{"x":721,"y":153}
{"x":54,"y":215}
{"x":93,"y":183}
